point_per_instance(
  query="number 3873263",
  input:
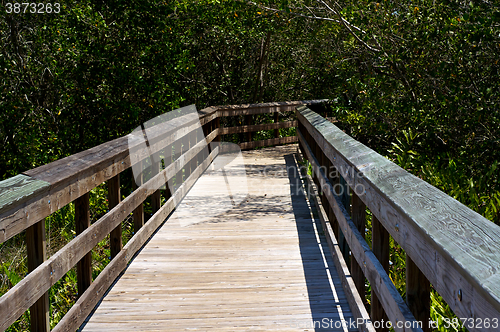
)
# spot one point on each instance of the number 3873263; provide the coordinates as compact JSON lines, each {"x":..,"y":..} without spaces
{"x":32,"y":7}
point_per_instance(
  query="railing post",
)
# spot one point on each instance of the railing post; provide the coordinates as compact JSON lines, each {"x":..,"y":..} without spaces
{"x":218,"y":138}
{"x":248,"y":120}
{"x":380,"y":247}
{"x":115,"y":237}
{"x":418,"y":294}
{"x":138,"y":213}
{"x":276,"y":120}
{"x":178,"y":153}
{"x":343,"y":192}
{"x":359,"y":219}
{"x":37,"y":254}
{"x":168,"y":161}
{"x":156,"y":196}
{"x":82,"y":222}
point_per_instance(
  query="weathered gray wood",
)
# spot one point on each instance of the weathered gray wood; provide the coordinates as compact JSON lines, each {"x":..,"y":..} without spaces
{"x":418,"y":295}
{"x":71,"y":177}
{"x":19,"y":189}
{"x":114,"y":198}
{"x":380,"y":247}
{"x":253,"y":128}
{"x":358,"y":216}
{"x":268,"y":142}
{"x":455,"y":248}
{"x":85,"y":304}
{"x":82,"y":222}
{"x":37,"y":253}
{"x":391,"y":300}
{"x":355,"y":299}
{"x":20,"y":297}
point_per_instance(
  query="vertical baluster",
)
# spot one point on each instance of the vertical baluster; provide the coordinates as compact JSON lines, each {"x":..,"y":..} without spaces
{"x":218,"y":138}
{"x":138,"y":213}
{"x":156,"y":196}
{"x":418,"y":295}
{"x":345,"y":198}
{"x":115,"y":237}
{"x":248,"y":120}
{"x":37,"y":254}
{"x":82,"y":222}
{"x":380,"y":247}
{"x":359,"y":219}
{"x":178,"y":152}
{"x":276,"y":120}
{"x":333,"y":178}
{"x":168,"y":161}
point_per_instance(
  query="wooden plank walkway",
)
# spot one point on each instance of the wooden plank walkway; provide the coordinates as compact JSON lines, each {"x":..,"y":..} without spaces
{"x":251,"y":258}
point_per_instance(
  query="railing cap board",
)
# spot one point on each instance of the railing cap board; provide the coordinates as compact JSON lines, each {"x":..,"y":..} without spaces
{"x":19,"y":189}
{"x":467,"y":240}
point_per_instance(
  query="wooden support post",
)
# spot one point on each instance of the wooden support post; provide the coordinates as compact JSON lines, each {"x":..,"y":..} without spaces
{"x":248,"y":120}
{"x":380,"y":247}
{"x":418,"y":295}
{"x":115,"y":237}
{"x":344,"y":197}
{"x":37,"y":254}
{"x":218,"y":138}
{"x":359,"y":219}
{"x":138,"y":213}
{"x":178,"y":153}
{"x":276,"y":120}
{"x":82,"y":222}
{"x":156,"y":196}
{"x":187,"y":146}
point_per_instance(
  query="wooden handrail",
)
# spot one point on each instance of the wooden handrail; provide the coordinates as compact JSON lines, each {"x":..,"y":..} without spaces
{"x":30,"y":197}
{"x":455,"y":248}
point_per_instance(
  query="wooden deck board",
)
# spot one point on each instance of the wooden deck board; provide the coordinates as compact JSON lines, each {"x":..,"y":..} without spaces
{"x":253,"y":263}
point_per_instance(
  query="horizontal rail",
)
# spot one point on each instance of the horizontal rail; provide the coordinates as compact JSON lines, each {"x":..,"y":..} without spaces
{"x":28,"y":198}
{"x":456,"y":249}
{"x":268,"y":142}
{"x":85,"y":304}
{"x":252,"y":128}
{"x":67,"y":179}
{"x":20,"y":297}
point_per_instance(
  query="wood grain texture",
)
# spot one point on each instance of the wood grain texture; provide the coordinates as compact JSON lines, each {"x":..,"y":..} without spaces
{"x":253,"y":128}
{"x":268,"y":142}
{"x":258,"y":265}
{"x":393,"y":304}
{"x":455,"y":248}
{"x":19,"y":189}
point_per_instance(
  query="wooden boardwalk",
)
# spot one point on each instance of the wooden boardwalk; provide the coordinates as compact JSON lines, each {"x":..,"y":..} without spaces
{"x":242,"y":252}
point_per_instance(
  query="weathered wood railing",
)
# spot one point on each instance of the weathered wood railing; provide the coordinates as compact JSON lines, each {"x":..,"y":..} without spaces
{"x":27,"y":199}
{"x":446,"y":244}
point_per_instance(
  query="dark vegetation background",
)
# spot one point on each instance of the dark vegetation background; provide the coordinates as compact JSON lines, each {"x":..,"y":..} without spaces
{"x":418,"y":81}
